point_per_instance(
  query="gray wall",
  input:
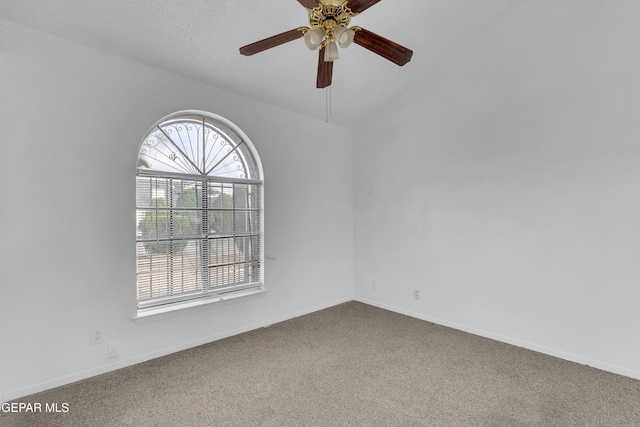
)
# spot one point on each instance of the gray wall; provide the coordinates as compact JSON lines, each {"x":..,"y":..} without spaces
{"x":72,"y":120}
{"x":506,"y":186}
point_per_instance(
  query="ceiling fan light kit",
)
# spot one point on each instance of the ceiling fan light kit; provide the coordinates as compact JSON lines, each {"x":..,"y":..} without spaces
{"x":313,"y":38}
{"x":328,"y":29}
{"x":343,"y":36}
{"x":329,"y":21}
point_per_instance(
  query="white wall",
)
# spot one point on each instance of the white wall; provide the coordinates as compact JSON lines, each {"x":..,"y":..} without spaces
{"x":71,"y":121}
{"x":506,"y":186}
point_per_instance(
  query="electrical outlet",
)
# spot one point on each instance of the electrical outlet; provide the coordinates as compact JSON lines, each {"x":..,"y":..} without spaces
{"x":416,"y":294}
{"x":112,"y":350}
{"x":373,"y":285}
{"x":96,"y":336}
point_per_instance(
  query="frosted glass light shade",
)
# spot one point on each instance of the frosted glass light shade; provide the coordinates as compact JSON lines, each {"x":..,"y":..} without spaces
{"x":343,"y":36}
{"x":313,"y":38}
{"x":330,"y":52}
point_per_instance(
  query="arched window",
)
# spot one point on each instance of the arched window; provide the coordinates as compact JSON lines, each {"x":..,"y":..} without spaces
{"x":199,"y":213}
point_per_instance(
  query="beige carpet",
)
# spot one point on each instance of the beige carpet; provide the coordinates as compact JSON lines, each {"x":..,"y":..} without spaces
{"x":349,"y":365}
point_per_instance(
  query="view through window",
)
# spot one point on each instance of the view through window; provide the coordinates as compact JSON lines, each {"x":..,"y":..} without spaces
{"x":199,"y":212}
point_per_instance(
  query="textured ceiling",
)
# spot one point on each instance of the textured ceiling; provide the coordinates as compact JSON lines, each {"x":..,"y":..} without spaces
{"x":200,"y":39}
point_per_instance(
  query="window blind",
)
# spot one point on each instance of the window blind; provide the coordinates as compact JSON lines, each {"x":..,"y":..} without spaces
{"x":198,"y":235}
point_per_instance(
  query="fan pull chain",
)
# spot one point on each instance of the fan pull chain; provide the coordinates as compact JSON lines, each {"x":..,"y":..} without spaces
{"x":327,"y":101}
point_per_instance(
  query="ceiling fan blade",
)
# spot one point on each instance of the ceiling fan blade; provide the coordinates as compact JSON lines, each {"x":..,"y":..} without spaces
{"x":383,"y":47}
{"x":309,"y":4}
{"x":358,"y":6}
{"x":325,"y":71}
{"x":270,"y":42}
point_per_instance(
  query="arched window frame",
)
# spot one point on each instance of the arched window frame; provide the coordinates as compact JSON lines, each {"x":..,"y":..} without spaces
{"x":199,"y":214}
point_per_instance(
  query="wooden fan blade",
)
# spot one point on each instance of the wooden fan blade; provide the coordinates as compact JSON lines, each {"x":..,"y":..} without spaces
{"x":273,"y":41}
{"x":358,"y":6}
{"x":383,"y":47}
{"x":309,"y":4}
{"x":325,"y":71}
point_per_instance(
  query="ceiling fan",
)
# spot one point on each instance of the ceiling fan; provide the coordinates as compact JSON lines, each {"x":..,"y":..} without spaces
{"x":328,"y":29}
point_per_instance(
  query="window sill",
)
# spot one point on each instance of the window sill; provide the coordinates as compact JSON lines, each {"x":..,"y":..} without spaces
{"x":153,"y":314}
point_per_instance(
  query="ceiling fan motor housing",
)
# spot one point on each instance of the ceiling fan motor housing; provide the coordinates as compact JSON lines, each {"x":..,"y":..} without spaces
{"x":330,"y":14}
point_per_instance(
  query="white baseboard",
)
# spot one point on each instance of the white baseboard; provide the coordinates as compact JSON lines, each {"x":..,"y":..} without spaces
{"x":513,"y":341}
{"x":37,"y":388}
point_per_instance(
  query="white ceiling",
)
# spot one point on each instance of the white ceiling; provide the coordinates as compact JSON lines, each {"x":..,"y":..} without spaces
{"x":200,"y":39}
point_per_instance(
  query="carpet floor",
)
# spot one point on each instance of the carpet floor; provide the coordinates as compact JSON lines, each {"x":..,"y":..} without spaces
{"x":348,"y":365}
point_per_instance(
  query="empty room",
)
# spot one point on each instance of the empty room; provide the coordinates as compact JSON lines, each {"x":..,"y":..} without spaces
{"x":320,"y":212}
